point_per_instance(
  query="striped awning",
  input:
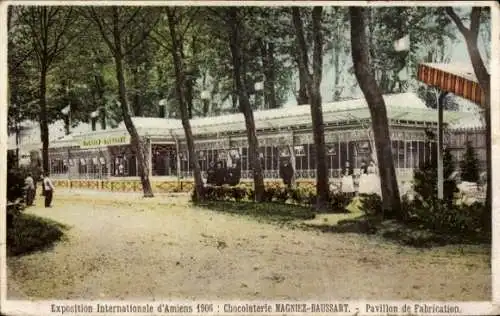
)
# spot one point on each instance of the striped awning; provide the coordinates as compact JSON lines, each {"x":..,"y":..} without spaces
{"x":457,"y":79}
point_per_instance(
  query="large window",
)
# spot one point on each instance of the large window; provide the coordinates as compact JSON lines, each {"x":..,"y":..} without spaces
{"x":58,"y":166}
{"x":300,"y":157}
{"x":332,"y":154}
{"x":82,"y":166}
{"x":124,"y":166}
{"x":421,"y":153}
{"x":164,"y":160}
{"x":344,"y":154}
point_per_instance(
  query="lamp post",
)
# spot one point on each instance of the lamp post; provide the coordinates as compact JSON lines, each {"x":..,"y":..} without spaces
{"x":205,"y":96}
{"x":93,"y":118}
{"x":163,"y":108}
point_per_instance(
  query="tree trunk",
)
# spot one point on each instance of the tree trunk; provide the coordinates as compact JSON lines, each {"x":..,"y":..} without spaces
{"x":44,"y":124}
{"x":101,"y":101}
{"x":268,"y":67}
{"x":391,"y":202}
{"x":189,"y":95}
{"x":183,"y":106}
{"x":483,"y":77}
{"x":245,"y":106}
{"x":135,"y":140}
{"x":137,"y":106}
{"x":313,"y":90}
{"x":302,"y":97}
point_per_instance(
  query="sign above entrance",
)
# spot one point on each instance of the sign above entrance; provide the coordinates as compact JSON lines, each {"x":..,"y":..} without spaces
{"x":105,"y":141}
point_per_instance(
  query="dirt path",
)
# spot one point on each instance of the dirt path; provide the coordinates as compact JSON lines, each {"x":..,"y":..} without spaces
{"x":161,"y":248}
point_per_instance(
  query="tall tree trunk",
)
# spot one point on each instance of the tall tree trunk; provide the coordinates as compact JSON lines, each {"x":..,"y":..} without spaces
{"x":244,"y":102}
{"x":44,"y":124}
{"x":391,"y":202}
{"x":302,"y":97}
{"x":135,"y":140}
{"x":313,"y":90}
{"x":471,"y":37}
{"x":336,"y":62}
{"x":268,"y":67}
{"x":206,"y":102}
{"x":99,"y":81}
{"x":183,"y":105}
{"x":137,"y":106}
{"x":189,"y":94}
{"x":234,"y":96}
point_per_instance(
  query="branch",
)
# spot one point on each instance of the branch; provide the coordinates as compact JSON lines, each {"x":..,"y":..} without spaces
{"x":131,"y":18}
{"x":36,"y":40}
{"x":451,"y":13}
{"x":190,"y":21}
{"x":300,"y":41}
{"x":161,"y":43}
{"x":95,"y":17}
{"x":52,"y":54}
{"x":144,"y":35}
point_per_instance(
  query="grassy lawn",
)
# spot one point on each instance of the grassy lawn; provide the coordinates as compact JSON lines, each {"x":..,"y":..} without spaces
{"x":269,"y":212}
{"x":31,"y":233}
{"x":353,"y":221}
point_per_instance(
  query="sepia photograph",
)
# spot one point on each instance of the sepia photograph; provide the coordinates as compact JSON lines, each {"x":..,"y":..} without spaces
{"x":252,"y":152}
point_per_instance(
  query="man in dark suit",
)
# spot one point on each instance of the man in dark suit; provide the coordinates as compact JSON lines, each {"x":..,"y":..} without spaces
{"x":211,"y":174}
{"x":220,"y":174}
{"x":286,"y":172}
{"x":234,"y":174}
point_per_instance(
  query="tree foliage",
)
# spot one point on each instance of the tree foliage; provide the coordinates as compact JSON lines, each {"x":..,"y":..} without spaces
{"x":469,"y":165}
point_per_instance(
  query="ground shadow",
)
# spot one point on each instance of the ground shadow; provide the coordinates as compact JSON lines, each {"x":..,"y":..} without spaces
{"x":409,"y":234}
{"x":268,"y":211}
{"x":29,"y":233}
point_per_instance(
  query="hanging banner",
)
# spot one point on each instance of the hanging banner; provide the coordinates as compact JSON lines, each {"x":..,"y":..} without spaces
{"x":104,"y":141}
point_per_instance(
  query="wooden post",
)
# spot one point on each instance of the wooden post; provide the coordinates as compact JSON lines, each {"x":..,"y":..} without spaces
{"x":292,"y":159}
{"x":150,"y":154}
{"x":440,"y":167}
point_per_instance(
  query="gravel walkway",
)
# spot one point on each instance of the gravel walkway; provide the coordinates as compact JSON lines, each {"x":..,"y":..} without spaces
{"x":162,"y":248}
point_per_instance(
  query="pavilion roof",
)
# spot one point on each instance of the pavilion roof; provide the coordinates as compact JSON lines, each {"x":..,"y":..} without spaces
{"x":404,"y":106}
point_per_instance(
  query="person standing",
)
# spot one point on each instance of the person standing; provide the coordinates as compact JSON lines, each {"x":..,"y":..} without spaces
{"x":211,"y":174}
{"x":48,"y":189}
{"x":220,"y":174}
{"x":234,"y":174}
{"x":374,"y":179}
{"x":286,"y":173}
{"x":347,"y":180}
{"x":30,"y":189}
{"x":363,"y":184}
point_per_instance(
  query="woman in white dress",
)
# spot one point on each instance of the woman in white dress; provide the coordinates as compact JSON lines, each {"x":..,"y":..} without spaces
{"x":364,"y":185}
{"x":373,"y":180}
{"x":347,"y":180}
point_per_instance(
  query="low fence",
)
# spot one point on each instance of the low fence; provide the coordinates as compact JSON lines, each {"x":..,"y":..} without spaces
{"x":169,"y":185}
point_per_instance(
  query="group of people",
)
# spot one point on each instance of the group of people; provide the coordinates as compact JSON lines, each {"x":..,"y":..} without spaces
{"x":369,"y":182}
{"x":30,"y":189}
{"x":218,"y":174}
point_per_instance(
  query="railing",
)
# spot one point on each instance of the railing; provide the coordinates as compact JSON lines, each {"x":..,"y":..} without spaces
{"x":403,"y":174}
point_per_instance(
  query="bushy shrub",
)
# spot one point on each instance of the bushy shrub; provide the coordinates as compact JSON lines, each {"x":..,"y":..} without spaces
{"x":339,"y":201}
{"x":470,"y":165}
{"x":457,"y":219}
{"x":15,"y":183}
{"x":371,"y":204}
{"x":425,"y":180}
{"x":302,"y":195}
{"x":32,"y":233}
